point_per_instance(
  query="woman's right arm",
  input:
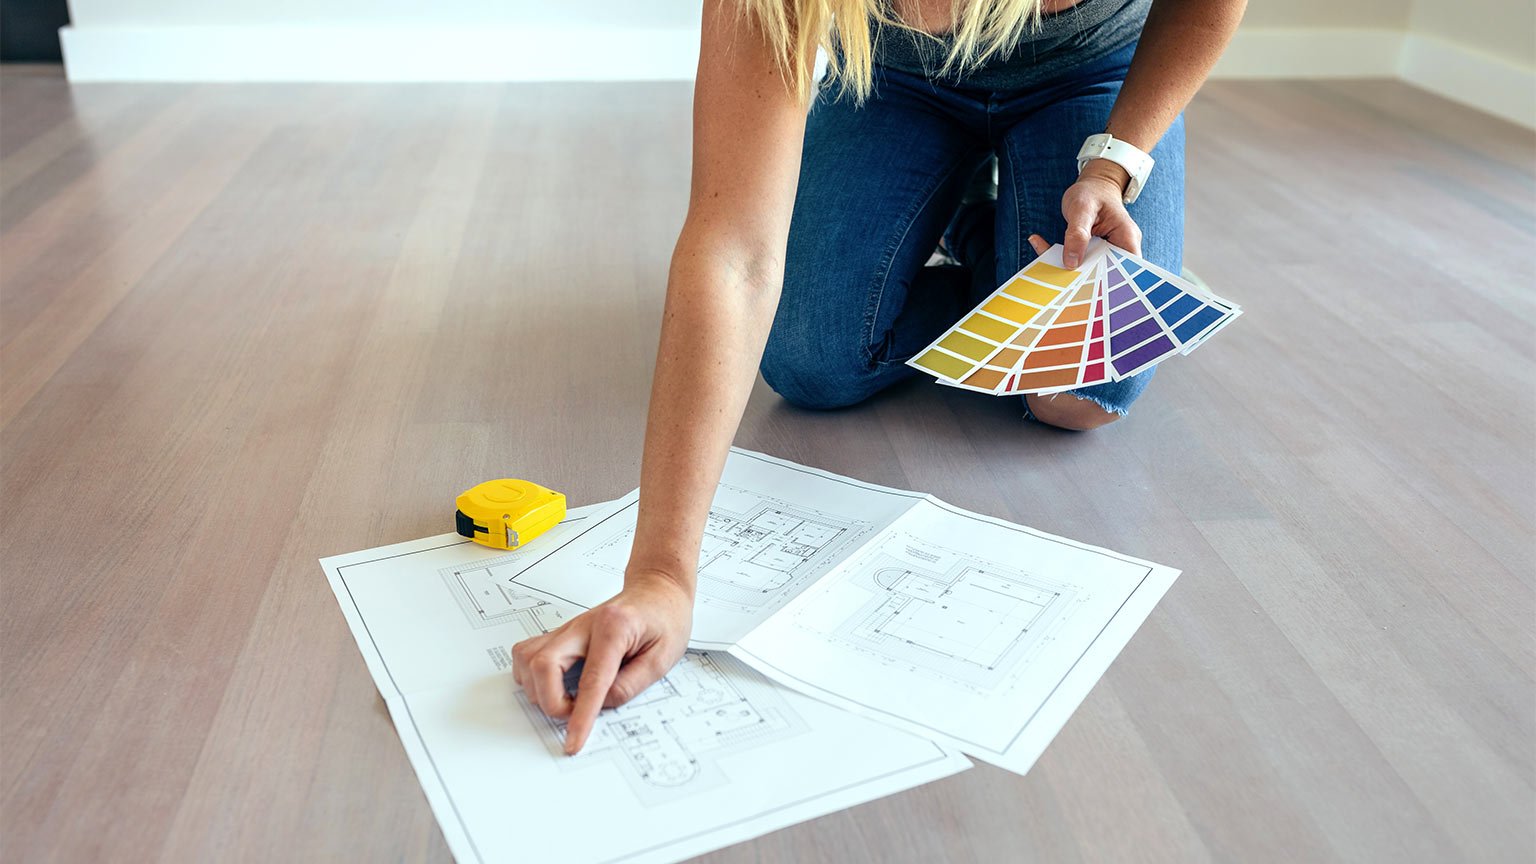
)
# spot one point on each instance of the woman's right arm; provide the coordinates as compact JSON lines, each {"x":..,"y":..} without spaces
{"x":722,"y":292}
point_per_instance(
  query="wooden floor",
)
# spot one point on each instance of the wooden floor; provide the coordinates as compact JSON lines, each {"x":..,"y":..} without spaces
{"x":243,"y":327}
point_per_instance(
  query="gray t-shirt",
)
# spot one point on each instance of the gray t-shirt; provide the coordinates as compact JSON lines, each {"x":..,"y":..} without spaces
{"x":1089,"y":31}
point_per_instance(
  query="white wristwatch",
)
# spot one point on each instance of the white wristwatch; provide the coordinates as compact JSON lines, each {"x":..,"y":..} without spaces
{"x":1127,"y":156}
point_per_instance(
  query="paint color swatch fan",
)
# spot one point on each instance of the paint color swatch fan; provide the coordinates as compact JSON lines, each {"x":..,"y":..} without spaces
{"x":1050,"y":329}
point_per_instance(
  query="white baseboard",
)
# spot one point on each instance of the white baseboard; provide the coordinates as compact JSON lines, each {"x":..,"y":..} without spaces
{"x":1275,"y":52}
{"x":544,"y":54}
{"x":377,"y":54}
{"x":1471,"y":77}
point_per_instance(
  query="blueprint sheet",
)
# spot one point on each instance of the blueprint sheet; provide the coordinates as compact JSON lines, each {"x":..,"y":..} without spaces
{"x":981,"y":634}
{"x":774,"y":529}
{"x":978,"y":633}
{"x":712,"y":755}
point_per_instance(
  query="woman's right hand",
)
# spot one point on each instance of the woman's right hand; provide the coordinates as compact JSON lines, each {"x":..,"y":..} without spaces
{"x":644,"y":628}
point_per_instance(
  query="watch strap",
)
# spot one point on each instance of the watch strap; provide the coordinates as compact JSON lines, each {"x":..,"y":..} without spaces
{"x":1135,"y":161}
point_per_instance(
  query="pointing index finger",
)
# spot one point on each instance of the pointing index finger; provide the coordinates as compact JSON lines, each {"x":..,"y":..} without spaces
{"x":604,"y":655}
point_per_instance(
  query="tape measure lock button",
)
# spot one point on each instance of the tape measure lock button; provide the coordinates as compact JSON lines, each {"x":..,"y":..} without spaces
{"x":507,"y":513}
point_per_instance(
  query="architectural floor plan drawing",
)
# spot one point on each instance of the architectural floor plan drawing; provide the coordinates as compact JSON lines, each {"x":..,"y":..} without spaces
{"x":982,"y":634}
{"x":488,"y":599}
{"x":944,"y":613}
{"x":754,"y":548}
{"x":668,"y":741}
{"x":713,"y":754}
{"x":773,"y":529}
{"x":848,"y":640}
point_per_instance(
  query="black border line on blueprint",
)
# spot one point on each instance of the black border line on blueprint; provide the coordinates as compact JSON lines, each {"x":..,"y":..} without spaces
{"x":442,"y":783}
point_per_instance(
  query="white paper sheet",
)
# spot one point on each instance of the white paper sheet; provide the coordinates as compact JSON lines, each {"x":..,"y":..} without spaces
{"x":774,"y":528}
{"x":980,"y":634}
{"x":711,"y":756}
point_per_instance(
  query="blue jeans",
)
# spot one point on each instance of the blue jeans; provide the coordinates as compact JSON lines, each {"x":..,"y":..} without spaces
{"x":880,"y":183}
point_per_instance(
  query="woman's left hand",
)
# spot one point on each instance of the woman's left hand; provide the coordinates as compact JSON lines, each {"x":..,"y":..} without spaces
{"x":1094,"y":206}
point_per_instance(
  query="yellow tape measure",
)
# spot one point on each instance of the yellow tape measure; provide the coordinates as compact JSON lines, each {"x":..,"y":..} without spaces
{"x":506,"y":514}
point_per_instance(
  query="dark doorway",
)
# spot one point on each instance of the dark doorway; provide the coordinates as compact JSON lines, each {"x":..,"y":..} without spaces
{"x":29,"y":30}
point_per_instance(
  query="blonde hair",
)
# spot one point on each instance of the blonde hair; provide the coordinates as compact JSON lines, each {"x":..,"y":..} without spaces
{"x":794,"y":30}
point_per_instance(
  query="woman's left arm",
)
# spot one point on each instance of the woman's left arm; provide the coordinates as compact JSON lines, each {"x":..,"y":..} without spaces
{"x":1180,"y":42}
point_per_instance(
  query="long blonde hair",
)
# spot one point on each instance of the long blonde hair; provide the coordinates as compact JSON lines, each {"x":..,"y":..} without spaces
{"x":796,"y":28}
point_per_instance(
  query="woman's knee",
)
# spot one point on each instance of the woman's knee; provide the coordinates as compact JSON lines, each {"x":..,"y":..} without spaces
{"x":808,"y":375}
{"x":1065,"y":411}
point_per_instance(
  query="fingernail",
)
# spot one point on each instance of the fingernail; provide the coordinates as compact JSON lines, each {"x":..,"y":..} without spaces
{"x":1069,"y":260}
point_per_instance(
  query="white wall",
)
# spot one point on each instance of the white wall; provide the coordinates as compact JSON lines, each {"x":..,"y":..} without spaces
{"x":1326,"y":14}
{"x":1482,"y":52}
{"x":1503,"y":29}
{"x":1479,"y":52}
